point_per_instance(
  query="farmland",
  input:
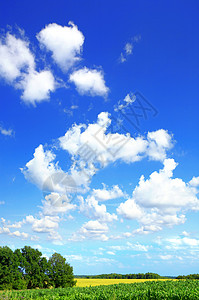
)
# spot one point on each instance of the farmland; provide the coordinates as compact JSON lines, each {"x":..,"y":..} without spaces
{"x":84,"y":282}
{"x":159,"y":290}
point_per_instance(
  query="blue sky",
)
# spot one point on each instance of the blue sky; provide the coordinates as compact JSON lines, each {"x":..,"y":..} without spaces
{"x":99,"y":133}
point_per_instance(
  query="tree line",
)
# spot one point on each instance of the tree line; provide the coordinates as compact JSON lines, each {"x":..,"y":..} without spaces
{"x":190,"y":276}
{"x":26,"y":268}
{"x":126,"y":276}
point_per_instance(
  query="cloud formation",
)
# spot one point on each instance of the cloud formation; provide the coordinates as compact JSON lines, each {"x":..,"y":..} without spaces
{"x":107,"y":194}
{"x":18,"y":64}
{"x":128,"y":48}
{"x":91,"y":208}
{"x":16,"y":58}
{"x":160,"y":200}
{"x":6,"y":132}
{"x":37,"y":86}
{"x":94,"y":141}
{"x":65,"y":43}
{"x":46,"y":224}
{"x":89,"y":82}
{"x":46,"y":174}
{"x":91,"y":147}
{"x":91,"y":230}
{"x":18,"y":68}
{"x":55,"y":203}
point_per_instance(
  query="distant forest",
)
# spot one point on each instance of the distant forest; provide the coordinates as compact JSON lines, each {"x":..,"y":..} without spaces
{"x":190,"y":276}
{"x":138,"y":276}
{"x":126,"y":276}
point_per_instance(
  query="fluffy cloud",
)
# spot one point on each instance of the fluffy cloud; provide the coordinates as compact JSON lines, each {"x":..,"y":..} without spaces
{"x":55,"y":203}
{"x":185,"y":242}
{"x":130,"y":210}
{"x":92,"y":143}
{"x":105,"y":194}
{"x":166,"y":257}
{"x":185,"y":233}
{"x":6,"y":230}
{"x":74,"y":257}
{"x":65,"y":43}
{"x":17,"y":67}
{"x":44,"y":224}
{"x":130,"y":246}
{"x":91,"y":230}
{"x":90,"y":147}
{"x":157,"y":201}
{"x":89,"y":82}
{"x":92,"y":209}
{"x":22,"y":235}
{"x":49,"y":177}
{"x":8,"y":224}
{"x":110,"y":252}
{"x":15,"y":58}
{"x":37,"y":86}
{"x":159,"y":141}
{"x":40,"y":168}
{"x":90,"y":260}
{"x":55,"y":237}
{"x":164,"y":192}
{"x":194,"y":182}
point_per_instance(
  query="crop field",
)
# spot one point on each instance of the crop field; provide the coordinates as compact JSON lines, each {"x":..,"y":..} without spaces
{"x":159,"y":290}
{"x":83,"y":282}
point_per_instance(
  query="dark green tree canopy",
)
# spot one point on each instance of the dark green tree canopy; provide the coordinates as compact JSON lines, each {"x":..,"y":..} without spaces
{"x":61,"y":273}
{"x":27,"y":268}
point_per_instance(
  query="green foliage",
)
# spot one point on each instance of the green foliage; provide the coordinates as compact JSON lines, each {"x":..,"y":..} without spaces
{"x":151,"y":290}
{"x":126,"y":276}
{"x":26,"y":268}
{"x":10,"y":275}
{"x":35,"y":267}
{"x":60,"y":272}
{"x":190,"y":276}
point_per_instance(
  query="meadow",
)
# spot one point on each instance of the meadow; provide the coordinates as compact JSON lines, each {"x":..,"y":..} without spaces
{"x":150,"y":289}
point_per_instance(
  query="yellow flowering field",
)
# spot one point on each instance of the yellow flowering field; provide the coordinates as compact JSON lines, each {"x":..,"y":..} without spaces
{"x":82,"y":282}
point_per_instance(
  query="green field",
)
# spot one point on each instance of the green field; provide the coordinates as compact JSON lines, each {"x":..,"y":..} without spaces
{"x":159,"y":290}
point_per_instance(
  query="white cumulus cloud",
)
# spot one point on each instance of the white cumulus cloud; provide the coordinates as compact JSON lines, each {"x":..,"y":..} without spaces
{"x":94,"y":230}
{"x":65,"y":43}
{"x":44,"y":172}
{"x":90,"y":82}
{"x":107,"y":194}
{"x":55,"y":203}
{"x":18,"y":68}
{"x":44,"y":224}
{"x":91,"y":208}
{"x":15,"y":58}
{"x":105,"y":148}
{"x":160,"y":200}
{"x":37,"y":86}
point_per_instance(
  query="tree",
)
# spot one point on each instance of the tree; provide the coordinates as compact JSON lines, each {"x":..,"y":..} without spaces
{"x":35,"y":267}
{"x":10,"y":275}
{"x":27,"y":268}
{"x":6,"y":265}
{"x":60,"y":272}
